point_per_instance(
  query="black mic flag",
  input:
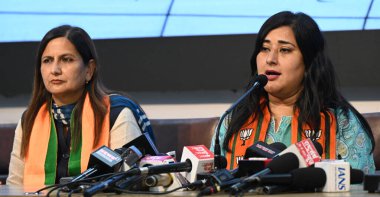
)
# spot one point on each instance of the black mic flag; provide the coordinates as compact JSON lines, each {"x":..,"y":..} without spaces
{"x":219,"y":161}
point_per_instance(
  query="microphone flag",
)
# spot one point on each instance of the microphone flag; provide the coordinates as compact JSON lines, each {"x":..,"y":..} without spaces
{"x":202,"y":160}
{"x":338,"y":175}
{"x":305,"y":151}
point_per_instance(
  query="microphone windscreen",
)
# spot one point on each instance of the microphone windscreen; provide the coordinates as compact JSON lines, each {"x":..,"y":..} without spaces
{"x":284,"y":163}
{"x":262,"y":80}
{"x":308,"y":178}
{"x":357,"y":176}
{"x":261,"y":149}
{"x":319,"y":148}
{"x":278,"y":145}
{"x":251,"y":166}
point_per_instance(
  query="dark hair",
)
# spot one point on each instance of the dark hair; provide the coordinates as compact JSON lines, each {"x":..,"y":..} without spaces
{"x":86,"y":48}
{"x":320,"y":90}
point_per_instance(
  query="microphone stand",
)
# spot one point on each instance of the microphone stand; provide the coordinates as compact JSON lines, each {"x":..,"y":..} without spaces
{"x":219,"y":161}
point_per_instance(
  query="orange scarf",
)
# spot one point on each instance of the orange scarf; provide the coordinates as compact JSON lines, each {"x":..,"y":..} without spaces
{"x":256,"y":130}
{"x":41,"y":138}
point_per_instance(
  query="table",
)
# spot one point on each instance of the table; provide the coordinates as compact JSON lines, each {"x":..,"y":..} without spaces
{"x":356,"y":190}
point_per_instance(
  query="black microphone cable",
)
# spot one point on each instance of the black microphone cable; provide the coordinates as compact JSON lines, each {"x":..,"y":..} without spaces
{"x":198,"y":183}
{"x":59,"y":186}
{"x":219,"y":161}
{"x":158,"y":169}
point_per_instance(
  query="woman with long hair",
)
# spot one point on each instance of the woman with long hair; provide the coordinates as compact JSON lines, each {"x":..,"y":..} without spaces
{"x":68,"y":116}
{"x":301,"y":99}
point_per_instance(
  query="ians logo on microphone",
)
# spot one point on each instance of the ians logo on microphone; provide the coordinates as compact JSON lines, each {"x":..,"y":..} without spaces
{"x":245,"y":134}
{"x":342,"y":179}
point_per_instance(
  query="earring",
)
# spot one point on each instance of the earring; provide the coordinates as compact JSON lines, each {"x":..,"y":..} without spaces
{"x":86,"y":81}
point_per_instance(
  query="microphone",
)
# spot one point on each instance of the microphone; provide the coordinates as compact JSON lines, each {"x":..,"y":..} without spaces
{"x":356,"y":176}
{"x":103,"y":160}
{"x":164,"y":168}
{"x":372,"y":183}
{"x":278,"y":145}
{"x":251,"y":165}
{"x":130,"y":156}
{"x":146,"y":161}
{"x":305,"y":151}
{"x":305,"y":178}
{"x":161,"y":182}
{"x":143,"y":143}
{"x":262,"y":149}
{"x":219,"y":161}
{"x":164,"y":180}
{"x":258,"y":156}
{"x":201,"y":158}
{"x":217,"y":187}
{"x":301,"y":178}
{"x":149,"y":170}
{"x":276,"y":166}
{"x":338,"y":175}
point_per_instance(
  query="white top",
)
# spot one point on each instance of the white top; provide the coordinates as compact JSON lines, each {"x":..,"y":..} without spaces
{"x":123,"y":131}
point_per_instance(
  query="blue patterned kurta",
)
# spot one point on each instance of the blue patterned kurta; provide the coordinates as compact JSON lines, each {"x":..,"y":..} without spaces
{"x":353,"y":144}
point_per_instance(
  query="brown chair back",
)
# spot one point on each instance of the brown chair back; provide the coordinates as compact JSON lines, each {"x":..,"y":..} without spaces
{"x":174,"y":134}
{"x":7,"y":132}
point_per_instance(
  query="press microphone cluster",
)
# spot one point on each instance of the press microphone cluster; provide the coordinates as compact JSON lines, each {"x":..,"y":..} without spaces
{"x":257,"y":157}
{"x":310,"y":173}
{"x":150,"y":170}
{"x":271,"y":167}
{"x":103,"y":160}
{"x":276,"y":166}
{"x":289,"y":170}
{"x":260,"y":159}
{"x":310,"y":179}
{"x":195,"y":159}
{"x":283,"y":171}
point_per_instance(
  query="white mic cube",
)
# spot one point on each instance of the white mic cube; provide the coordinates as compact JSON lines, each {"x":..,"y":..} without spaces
{"x":337,"y":175}
{"x":201,"y":158}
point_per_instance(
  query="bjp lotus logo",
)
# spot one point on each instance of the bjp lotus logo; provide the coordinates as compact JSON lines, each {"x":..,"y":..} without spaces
{"x":245,"y":134}
{"x":313,"y":134}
